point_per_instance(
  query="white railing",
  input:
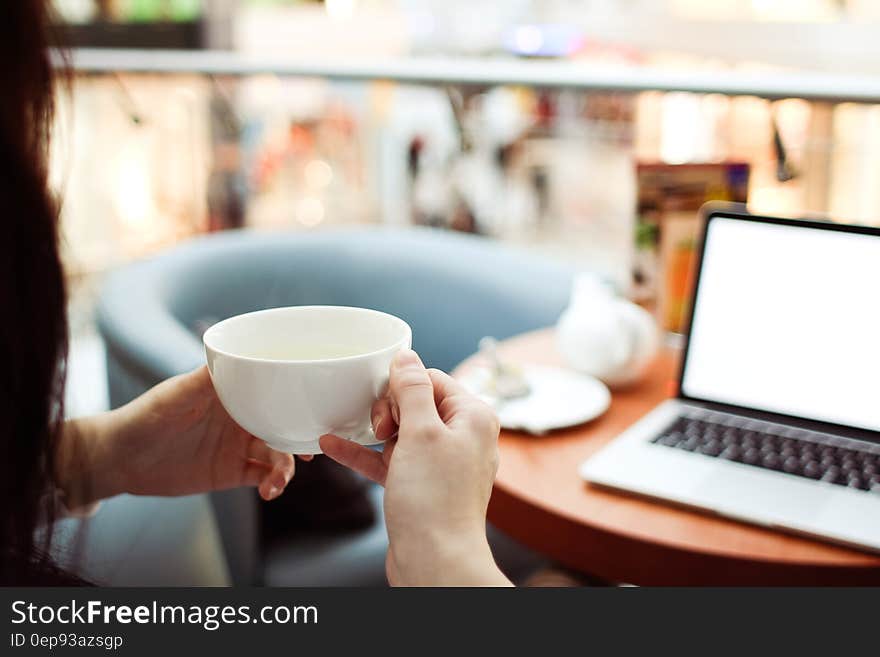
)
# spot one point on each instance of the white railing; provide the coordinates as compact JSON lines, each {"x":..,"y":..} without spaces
{"x":492,"y":71}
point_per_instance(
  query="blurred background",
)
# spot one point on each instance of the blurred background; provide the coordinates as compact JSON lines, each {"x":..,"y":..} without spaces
{"x":576,"y":129}
{"x":524,"y":121}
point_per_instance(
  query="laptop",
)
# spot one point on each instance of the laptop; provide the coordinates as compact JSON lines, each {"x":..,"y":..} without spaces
{"x":777,"y":419}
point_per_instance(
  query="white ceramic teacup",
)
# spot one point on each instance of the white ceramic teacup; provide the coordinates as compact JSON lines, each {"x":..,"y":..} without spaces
{"x":290,"y":375}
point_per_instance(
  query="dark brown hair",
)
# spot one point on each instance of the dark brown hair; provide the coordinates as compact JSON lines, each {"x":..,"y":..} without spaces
{"x":33,"y":333}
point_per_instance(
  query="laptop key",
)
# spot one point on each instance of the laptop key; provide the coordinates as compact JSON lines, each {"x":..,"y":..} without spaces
{"x":855,"y":481}
{"x":670,"y":439}
{"x":791,"y":465}
{"x":689,"y":444}
{"x":712,"y":448}
{"x":752,"y":456}
{"x":831,"y":475}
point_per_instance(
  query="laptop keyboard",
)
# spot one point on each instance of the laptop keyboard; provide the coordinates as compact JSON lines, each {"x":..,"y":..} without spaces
{"x":796,"y":452}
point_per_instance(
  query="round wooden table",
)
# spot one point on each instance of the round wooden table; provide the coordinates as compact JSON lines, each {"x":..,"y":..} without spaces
{"x":540,"y":500}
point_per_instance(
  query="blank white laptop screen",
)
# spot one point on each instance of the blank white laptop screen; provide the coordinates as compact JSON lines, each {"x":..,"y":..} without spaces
{"x":787,"y":320}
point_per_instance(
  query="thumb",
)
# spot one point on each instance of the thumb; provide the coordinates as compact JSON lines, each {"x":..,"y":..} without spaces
{"x":412,"y":392}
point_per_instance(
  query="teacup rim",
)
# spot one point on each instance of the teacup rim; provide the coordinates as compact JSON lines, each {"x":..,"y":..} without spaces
{"x":400,"y":344}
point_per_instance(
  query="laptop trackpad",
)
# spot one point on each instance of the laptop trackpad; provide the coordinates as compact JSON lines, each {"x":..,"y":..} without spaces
{"x":762,"y":496}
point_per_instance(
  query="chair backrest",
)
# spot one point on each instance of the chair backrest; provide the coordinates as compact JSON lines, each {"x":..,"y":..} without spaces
{"x":452,"y":289}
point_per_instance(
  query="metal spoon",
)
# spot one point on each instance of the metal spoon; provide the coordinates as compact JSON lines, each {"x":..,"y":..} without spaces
{"x":507,"y":381}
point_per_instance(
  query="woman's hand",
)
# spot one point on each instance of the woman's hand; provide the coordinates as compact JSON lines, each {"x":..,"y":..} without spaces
{"x":438,"y":470}
{"x":175,"y":439}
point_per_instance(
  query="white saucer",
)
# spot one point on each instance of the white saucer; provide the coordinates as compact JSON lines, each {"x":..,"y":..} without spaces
{"x":559,"y":398}
{"x":312,"y":446}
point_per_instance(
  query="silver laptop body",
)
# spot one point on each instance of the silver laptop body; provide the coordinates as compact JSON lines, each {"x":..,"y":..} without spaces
{"x":777,"y":420}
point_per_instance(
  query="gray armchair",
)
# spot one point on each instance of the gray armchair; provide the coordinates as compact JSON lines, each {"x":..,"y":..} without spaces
{"x":451,"y":288}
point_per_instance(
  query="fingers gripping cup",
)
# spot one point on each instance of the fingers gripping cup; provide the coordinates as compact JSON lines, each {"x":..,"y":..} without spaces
{"x":291,"y":375}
